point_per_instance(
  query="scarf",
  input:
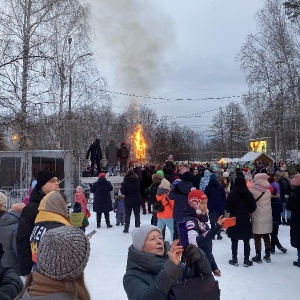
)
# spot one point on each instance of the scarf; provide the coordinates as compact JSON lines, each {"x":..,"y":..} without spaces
{"x":43,"y":286}
{"x":46,"y":216}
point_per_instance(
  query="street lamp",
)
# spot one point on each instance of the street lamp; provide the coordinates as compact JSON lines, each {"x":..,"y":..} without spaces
{"x":70,"y":78}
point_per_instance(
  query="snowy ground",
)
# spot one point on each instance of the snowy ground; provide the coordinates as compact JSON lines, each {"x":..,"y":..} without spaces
{"x":276,"y":280}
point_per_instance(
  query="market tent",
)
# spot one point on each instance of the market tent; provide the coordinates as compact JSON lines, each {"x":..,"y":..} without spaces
{"x":256,"y":156}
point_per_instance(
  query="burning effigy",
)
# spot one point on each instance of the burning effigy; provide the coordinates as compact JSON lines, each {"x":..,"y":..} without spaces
{"x":139,"y":146}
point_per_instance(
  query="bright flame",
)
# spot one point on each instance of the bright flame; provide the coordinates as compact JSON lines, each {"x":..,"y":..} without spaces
{"x":140,"y":144}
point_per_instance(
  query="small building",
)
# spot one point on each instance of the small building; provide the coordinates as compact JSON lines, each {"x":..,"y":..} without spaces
{"x":18,"y":168}
{"x":255,"y":157}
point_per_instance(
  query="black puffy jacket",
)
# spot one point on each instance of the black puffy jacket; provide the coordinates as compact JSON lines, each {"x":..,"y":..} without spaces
{"x":26,"y":225}
{"x":130,"y":188}
{"x":293,"y":204}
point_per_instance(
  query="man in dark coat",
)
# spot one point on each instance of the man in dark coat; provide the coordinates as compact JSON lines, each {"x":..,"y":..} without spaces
{"x":293,"y":204}
{"x":285,"y":191}
{"x":111,"y":154}
{"x":146,"y":182}
{"x":102,"y":199}
{"x":240,"y":203}
{"x":216,"y":201}
{"x":123,"y":154}
{"x":96,"y":156}
{"x":130,"y":188}
{"x":10,"y":282}
{"x":169,"y":171}
{"x":46,"y":183}
{"x":179,"y":193}
{"x":151,"y":194}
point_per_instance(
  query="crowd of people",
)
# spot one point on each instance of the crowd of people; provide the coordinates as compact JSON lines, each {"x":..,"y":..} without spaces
{"x":261,"y":197}
{"x":46,"y":245}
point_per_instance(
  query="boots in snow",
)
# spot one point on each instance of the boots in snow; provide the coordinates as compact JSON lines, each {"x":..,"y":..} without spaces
{"x":267,"y":257}
{"x":282,"y":249}
{"x":98,"y":224}
{"x":247,"y":262}
{"x":296,"y":264}
{"x":257,"y":257}
{"x":233,"y":262}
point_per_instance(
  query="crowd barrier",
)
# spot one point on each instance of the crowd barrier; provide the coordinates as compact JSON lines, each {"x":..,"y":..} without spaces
{"x":17,"y":195}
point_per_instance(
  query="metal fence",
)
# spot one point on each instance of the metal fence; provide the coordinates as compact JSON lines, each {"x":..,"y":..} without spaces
{"x":17,"y":195}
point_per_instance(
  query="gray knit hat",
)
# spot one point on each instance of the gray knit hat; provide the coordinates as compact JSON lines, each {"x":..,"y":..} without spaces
{"x":140,"y":235}
{"x":63,"y":253}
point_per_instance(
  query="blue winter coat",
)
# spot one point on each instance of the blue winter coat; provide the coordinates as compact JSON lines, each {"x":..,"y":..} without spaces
{"x":204,"y":180}
{"x":216,"y":198}
{"x":179,"y":193}
{"x":130,"y":188}
{"x":102,"y":198}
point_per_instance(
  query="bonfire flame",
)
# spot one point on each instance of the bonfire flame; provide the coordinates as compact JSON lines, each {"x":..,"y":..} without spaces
{"x":140,"y":144}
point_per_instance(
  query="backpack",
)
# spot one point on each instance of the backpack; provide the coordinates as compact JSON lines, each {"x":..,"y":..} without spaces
{"x":158,"y":206}
{"x":123,"y":153}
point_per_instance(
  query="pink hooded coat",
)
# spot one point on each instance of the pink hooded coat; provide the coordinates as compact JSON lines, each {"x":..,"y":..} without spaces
{"x":262,"y":221}
{"x":79,"y":197}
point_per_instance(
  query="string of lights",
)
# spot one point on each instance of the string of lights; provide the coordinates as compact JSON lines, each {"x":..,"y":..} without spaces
{"x":169,"y":99}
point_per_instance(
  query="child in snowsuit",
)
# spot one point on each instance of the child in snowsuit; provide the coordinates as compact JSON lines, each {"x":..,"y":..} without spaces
{"x":77,"y":217}
{"x":199,"y":233}
{"x":119,"y":209}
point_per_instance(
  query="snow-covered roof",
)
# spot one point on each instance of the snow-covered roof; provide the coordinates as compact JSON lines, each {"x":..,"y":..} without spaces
{"x":253,"y":156}
{"x":225,"y":159}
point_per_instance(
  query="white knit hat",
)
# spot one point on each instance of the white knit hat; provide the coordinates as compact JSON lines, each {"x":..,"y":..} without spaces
{"x":165,"y":184}
{"x":3,"y":200}
{"x":140,"y":235}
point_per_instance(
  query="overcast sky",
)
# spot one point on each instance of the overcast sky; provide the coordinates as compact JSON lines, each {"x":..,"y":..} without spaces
{"x":173,"y":49}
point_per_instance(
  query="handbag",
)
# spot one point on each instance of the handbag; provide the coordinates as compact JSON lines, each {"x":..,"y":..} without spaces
{"x":88,"y":213}
{"x":204,"y":287}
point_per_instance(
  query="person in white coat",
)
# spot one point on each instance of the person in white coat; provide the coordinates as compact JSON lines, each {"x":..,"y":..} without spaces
{"x":262,"y":223}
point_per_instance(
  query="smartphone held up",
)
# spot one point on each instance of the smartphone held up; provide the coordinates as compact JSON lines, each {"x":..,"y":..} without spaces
{"x":183,"y":234}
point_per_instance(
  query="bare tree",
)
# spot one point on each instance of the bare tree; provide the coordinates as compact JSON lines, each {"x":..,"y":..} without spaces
{"x":45,"y":47}
{"x":270,"y":62}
